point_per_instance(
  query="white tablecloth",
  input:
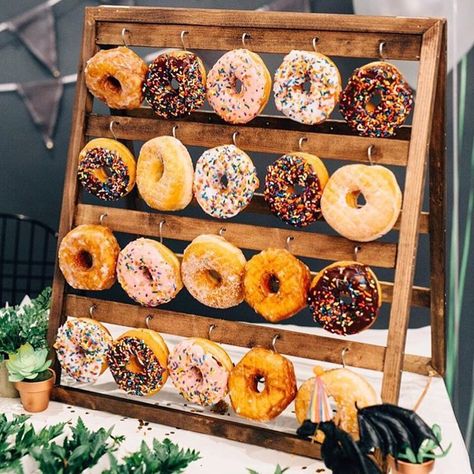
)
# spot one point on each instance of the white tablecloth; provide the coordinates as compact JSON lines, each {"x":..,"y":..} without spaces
{"x":223,"y":456}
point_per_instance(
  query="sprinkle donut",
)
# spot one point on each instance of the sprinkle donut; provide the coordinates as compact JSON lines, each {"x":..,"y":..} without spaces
{"x":231,"y":104}
{"x":302,"y":169}
{"x":345,"y":298}
{"x":313,"y":106}
{"x":149,"y":272}
{"x":81,"y":347}
{"x":106,"y":169}
{"x":225,"y":179}
{"x":199,"y":369}
{"x":396,"y":100}
{"x":138,"y":360}
{"x":188,"y":72}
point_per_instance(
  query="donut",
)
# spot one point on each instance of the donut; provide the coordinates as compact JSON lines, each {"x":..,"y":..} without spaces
{"x":345,"y":297}
{"x":165,"y":174}
{"x":175,"y":84}
{"x":383,"y":201}
{"x":106,"y":169}
{"x":224,"y":181}
{"x":138,"y":362}
{"x":278,"y":392}
{"x":87,"y":257}
{"x":381,"y":81}
{"x":234,"y":103}
{"x":199,"y":370}
{"x":296,"y":169}
{"x":149,"y":272}
{"x":276,"y":284}
{"x":349,"y":391}
{"x":81,"y":347}
{"x":116,"y":77}
{"x":212,"y":270}
{"x":298,"y":69}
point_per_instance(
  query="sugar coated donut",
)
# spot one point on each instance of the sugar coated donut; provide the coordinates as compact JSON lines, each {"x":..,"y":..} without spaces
{"x":182,"y":68}
{"x":199,"y":369}
{"x":383,"y":200}
{"x":349,"y":391}
{"x":276,"y":284}
{"x":106,"y":169}
{"x":165,"y":174}
{"x":116,"y":77}
{"x":345,"y":297}
{"x":376,"y":80}
{"x":234,"y":104}
{"x":279,"y":389}
{"x":212,"y":270}
{"x":87,"y":257}
{"x":315,"y":105}
{"x":81,"y":347}
{"x":149,"y":272}
{"x":138,"y":362}
{"x":224,"y":181}
{"x":287,"y":172}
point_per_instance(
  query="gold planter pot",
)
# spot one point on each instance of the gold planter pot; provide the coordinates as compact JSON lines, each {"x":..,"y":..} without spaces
{"x":7,"y":388}
{"x":35,"y":395}
{"x":403,"y":467}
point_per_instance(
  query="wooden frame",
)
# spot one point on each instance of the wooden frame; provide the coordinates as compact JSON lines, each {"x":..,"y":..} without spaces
{"x":422,"y":40}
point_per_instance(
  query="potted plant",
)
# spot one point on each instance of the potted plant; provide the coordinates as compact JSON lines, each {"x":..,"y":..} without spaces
{"x":29,"y":370}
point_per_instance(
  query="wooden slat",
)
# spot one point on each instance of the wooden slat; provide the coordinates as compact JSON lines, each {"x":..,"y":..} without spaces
{"x":420,"y":295}
{"x":305,"y":244}
{"x":263,"y":40}
{"x":197,"y":422}
{"x":414,"y":185}
{"x":264,"y":19}
{"x":240,"y":334}
{"x":266,"y":139}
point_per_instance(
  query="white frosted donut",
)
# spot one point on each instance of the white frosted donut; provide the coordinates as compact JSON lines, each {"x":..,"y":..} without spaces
{"x":233,"y":105}
{"x":313,"y":106}
{"x":225,"y":179}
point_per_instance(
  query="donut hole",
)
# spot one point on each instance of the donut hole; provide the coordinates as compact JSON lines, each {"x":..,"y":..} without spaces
{"x":356,"y":199}
{"x":113,"y":84}
{"x":345,"y":298}
{"x":147,"y":273}
{"x":374,"y":101}
{"x":306,"y":86}
{"x":224,"y":181}
{"x":214,"y":278}
{"x":196,"y":374}
{"x":84,"y":260}
{"x":259,"y":383}
{"x":298,"y":189}
{"x":174,"y":84}
{"x":134,"y":365}
{"x":238,"y":86}
{"x":273,"y":283}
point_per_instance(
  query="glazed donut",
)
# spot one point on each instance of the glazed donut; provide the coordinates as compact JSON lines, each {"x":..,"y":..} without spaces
{"x":199,"y":370}
{"x":116,"y":77}
{"x":106,"y":169}
{"x":149,"y":272}
{"x":87,"y":257}
{"x":224,"y":181}
{"x":187,"y":71}
{"x":276,"y":284}
{"x":298,"y":68}
{"x":278,"y":392}
{"x":212,"y":270}
{"x":230,"y":103}
{"x":385,"y":81}
{"x":138,"y":362}
{"x":377,"y":216}
{"x":165,"y":174}
{"x":81,"y":347}
{"x":349,"y":391}
{"x":288,"y":171}
{"x":345,"y":297}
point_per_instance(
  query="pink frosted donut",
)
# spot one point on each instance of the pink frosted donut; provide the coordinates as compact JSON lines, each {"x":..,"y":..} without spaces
{"x":199,"y":369}
{"x":149,"y":272}
{"x":233,"y":103}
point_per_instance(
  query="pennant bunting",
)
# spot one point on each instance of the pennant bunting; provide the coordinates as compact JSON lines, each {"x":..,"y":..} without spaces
{"x":319,"y":409}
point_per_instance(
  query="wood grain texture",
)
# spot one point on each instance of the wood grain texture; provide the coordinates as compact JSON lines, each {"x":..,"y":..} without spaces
{"x":298,"y":344}
{"x":414,"y":185}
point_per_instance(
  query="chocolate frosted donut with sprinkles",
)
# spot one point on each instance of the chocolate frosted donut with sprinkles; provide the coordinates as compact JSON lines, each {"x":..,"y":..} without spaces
{"x":106,"y":169}
{"x":283,"y":176}
{"x":375,"y":82}
{"x":345,"y":298}
{"x":175,"y":84}
{"x":310,"y":106}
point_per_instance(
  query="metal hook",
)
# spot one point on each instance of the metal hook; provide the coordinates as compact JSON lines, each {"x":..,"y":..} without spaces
{"x":122,"y":34}
{"x":382,"y":45}
{"x":211,"y":328}
{"x":183,"y":34}
{"x":343,"y":355}
{"x":274,"y":340}
{"x":315,"y":42}
{"x":102,"y":217}
{"x":222,"y":231}
{"x":288,"y":240}
{"x":148,"y":318}
{"x":91,"y":310}
{"x":370,"y":151}
{"x":244,"y":37}
{"x":162,"y":223}
{"x":356,"y":251}
{"x":234,"y":138}
{"x":301,"y":141}
{"x":111,"y":128}
{"x":174,"y":130}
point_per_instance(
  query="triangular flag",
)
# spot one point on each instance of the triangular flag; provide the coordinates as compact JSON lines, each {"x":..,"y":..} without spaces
{"x":42,"y":99}
{"x":36,"y":29}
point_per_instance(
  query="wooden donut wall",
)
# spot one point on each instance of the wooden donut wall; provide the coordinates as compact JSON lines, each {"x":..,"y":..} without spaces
{"x":422,"y":40}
